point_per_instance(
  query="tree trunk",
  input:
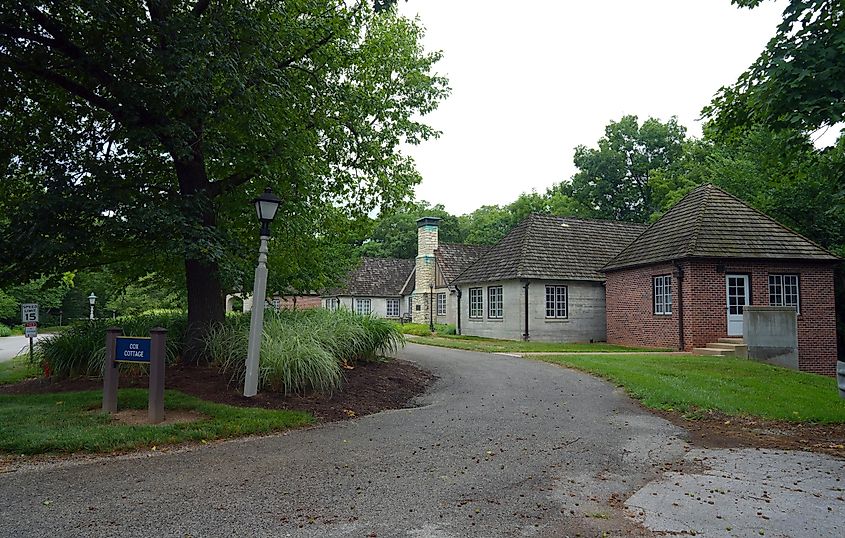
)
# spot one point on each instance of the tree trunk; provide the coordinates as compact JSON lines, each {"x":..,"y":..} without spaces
{"x":206,"y":304}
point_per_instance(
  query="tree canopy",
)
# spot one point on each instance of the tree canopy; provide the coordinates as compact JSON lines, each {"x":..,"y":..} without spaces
{"x":137,"y":132}
{"x":798,"y":81}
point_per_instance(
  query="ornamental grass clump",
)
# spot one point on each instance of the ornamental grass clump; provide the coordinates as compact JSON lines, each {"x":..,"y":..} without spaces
{"x":81,"y":349}
{"x":302,"y":350}
{"x":5,"y":331}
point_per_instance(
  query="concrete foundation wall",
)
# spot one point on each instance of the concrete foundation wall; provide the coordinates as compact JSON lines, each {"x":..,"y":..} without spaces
{"x":585,"y":322}
{"x":771,"y":334}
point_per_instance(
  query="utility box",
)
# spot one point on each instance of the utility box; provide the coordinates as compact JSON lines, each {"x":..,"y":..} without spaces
{"x":771,"y":334}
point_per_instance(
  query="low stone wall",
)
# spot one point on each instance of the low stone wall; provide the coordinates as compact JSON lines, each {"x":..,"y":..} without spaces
{"x":771,"y":334}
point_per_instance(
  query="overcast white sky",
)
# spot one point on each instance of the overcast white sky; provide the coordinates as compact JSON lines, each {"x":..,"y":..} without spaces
{"x":532,"y":79}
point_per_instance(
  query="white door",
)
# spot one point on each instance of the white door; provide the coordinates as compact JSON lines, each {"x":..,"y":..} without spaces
{"x":737,"y":297}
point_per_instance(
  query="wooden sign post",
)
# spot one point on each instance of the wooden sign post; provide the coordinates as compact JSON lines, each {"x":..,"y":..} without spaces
{"x":136,"y":349}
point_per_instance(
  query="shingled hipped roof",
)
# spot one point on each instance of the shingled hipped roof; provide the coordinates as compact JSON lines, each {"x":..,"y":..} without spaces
{"x":453,"y":259}
{"x":377,"y":277}
{"x":710,"y":223}
{"x":553,"y":248}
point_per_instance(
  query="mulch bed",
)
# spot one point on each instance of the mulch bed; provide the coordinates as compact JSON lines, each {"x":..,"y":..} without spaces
{"x":369,"y":387}
{"x":717,"y":430}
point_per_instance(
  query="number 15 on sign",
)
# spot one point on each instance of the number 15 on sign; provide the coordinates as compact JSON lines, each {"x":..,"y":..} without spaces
{"x":29,"y":313}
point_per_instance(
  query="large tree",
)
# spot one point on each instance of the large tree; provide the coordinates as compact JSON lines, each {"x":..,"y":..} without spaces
{"x":138,"y":130}
{"x":798,"y":82}
{"x":613,"y":180}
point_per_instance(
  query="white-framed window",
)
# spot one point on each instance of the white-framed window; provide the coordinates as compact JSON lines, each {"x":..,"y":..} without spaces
{"x":494,"y":302}
{"x":557,"y":302}
{"x":363,"y":306}
{"x":783,"y":291}
{"x":441,"y":304}
{"x":393,"y":308}
{"x":410,"y":304}
{"x":476,"y":302}
{"x":663,"y":295}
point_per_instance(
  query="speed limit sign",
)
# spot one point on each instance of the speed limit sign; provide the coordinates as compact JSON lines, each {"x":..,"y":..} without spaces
{"x":29,"y":313}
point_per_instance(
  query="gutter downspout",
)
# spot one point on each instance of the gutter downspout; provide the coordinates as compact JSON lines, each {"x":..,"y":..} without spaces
{"x":680,"y":270}
{"x":458,"y":328}
{"x":525,"y":335}
{"x":431,"y":308}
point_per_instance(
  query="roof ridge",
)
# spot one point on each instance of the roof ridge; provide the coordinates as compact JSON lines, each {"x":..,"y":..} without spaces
{"x":767,"y":217}
{"x":526,"y":234}
{"x":648,"y":228}
{"x":587,"y":219}
{"x":696,"y":228}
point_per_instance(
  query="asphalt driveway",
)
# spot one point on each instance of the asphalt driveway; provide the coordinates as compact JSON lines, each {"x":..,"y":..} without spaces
{"x":500,"y":447}
{"x":12,"y":346}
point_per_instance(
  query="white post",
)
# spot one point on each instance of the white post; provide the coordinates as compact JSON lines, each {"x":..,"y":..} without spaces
{"x":256,"y":324}
{"x":91,"y":315}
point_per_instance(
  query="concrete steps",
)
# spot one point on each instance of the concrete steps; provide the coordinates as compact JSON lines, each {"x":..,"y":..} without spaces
{"x":725,"y":347}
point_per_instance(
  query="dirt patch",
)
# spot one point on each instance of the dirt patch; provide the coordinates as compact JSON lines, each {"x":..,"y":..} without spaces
{"x":717,"y":430}
{"x":140,"y":417}
{"x":368,"y":388}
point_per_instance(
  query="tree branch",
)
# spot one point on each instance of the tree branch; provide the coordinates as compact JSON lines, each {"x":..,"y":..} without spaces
{"x":217,"y":188}
{"x":65,"y":83}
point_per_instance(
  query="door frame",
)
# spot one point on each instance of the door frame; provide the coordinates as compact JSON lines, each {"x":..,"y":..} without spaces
{"x":748,"y":295}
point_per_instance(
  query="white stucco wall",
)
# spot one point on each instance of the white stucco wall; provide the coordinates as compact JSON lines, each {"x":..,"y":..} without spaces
{"x":586,"y":320}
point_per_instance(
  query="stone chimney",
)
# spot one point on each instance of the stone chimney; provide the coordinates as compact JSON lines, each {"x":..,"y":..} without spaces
{"x":427,"y":242}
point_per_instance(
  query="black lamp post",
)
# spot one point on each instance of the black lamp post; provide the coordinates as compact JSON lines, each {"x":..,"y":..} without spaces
{"x":91,"y":300}
{"x":266,"y":206}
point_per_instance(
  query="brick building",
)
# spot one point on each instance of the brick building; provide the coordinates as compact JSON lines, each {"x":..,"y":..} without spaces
{"x":684,"y":282}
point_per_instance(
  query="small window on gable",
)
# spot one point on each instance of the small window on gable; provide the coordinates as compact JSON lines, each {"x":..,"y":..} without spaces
{"x":783,"y":291}
{"x":663,"y":295}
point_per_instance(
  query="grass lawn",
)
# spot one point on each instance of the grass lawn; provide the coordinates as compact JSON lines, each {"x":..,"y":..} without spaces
{"x":16,"y":370}
{"x":691,"y":383}
{"x":67,"y":422}
{"x":475,"y":343}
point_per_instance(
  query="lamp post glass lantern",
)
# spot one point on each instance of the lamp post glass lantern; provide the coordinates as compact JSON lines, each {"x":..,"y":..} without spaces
{"x":266,"y":206}
{"x":91,"y":300}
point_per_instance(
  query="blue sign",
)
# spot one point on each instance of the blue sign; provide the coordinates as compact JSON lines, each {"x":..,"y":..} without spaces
{"x":132,"y":349}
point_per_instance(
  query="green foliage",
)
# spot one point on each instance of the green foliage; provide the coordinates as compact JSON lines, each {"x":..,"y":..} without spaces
{"x":613,"y":180}
{"x":302,"y":350}
{"x":423,"y":329}
{"x":80,"y":350}
{"x":63,"y":422}
{"x":394,"y":235}
{"x":687,"y":383}
{"x":798,"y":81}
{"x":5,"y":331}
{"x":313,"y":99}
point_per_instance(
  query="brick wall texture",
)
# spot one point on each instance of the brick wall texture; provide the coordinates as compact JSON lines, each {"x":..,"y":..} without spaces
{"x":631,"y":319}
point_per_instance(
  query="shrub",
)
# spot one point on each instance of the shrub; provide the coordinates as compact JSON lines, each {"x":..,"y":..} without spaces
{"x":5,"y":331}
{"x":302,"y":349}
{"x":80,"y":349}
{"x":423,"y":329}
{"x":447,"y":329}
{"x":416,"y":329}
